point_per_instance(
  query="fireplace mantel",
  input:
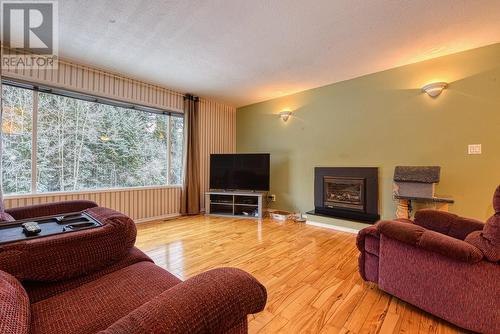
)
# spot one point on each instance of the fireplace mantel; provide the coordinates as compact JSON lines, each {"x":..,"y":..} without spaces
{"x":347,"y":192}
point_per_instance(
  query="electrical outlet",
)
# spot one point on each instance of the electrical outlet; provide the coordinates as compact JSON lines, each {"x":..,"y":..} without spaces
{"x":272,"y":198}
{"x":474,"y":149}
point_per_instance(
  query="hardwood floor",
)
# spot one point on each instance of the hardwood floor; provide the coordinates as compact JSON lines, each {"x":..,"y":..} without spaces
{"x":310,"y":274}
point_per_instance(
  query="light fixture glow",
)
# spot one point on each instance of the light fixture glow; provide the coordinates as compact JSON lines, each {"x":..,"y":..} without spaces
{"x":285,"y":115}
{"x":435,"y":88}
{"x":104,"y":138}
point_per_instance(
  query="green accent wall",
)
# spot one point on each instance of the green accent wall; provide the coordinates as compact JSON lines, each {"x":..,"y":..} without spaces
{"x":383,"y":120}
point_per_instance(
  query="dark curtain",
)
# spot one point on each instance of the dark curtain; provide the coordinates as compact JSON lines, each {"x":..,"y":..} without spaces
{"x":190,"y":201}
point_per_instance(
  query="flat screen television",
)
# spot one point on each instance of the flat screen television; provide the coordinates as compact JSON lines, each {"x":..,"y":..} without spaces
{"x":247,"y":171}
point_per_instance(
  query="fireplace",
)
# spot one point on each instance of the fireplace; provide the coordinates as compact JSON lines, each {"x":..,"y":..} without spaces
{"x":347,"y":192}
{"x":344,"y":192}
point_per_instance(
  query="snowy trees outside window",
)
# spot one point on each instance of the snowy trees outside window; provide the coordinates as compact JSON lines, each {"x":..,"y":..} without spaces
{"x":17,"y":131}
{"x":85,"y":145}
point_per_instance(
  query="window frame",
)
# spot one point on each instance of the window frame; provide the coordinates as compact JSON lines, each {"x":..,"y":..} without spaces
{"x":37,"y":88}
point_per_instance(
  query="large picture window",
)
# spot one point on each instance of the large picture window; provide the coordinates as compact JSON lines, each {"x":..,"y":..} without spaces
{"x":55,"y":143}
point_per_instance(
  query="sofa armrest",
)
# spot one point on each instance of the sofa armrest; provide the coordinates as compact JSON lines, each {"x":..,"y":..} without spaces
{"x":15,"y":312}
{"x":436,"y":242}
{"x":211,"y":302}
{"x":373,"y":231}
{"x":361,"y":237}
{"x":447,"y":223}
{"x":50,"y":209}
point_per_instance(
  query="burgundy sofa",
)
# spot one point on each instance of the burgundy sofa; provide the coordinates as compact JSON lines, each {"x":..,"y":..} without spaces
{"x":442,"y":263}
{"x":96,"y":281}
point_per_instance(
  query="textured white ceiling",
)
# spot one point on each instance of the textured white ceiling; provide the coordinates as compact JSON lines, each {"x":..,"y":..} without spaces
{"x":245,"y":51}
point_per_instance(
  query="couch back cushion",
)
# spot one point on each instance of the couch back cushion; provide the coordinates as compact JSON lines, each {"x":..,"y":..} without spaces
{"x":488,"y":240}
{"x":14,"y":306}
{"x":496,"y":200}
{"x":436,"y":242}
{"x":65,"y":256}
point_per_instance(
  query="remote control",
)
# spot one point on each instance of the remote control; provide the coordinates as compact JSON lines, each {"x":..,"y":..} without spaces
{"x":31,"y":228}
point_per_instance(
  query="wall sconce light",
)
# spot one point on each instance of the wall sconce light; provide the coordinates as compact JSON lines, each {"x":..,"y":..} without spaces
{"x":435,"y":88}
{"x":285,"y":115}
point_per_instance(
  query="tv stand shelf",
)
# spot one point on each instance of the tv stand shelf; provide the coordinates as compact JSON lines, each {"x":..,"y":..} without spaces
{"x":241,"y":204}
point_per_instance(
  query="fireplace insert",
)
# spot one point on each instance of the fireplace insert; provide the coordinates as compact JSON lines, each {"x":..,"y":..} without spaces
{"x":347,"y":192}
{"x":344,"y":192}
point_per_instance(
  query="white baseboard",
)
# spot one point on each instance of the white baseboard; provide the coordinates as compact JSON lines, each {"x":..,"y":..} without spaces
{"x":333,"y":227}
{"x":162,"y":217}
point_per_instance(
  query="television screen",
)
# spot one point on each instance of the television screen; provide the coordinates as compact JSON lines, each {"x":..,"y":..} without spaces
{"x":239,"y":171}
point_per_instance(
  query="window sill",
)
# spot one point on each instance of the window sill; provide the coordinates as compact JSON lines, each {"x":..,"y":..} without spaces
{"x":87,"y":191}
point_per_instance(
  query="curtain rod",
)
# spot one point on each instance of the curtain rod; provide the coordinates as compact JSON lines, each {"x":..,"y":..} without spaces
{"x":191,"y":97}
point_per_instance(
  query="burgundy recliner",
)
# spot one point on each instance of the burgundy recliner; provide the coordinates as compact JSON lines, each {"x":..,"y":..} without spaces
{"x":442,"y":263}
{"x":96,"y":281}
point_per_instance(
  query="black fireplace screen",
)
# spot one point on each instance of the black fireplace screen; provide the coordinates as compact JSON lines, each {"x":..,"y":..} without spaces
{"x":344,"y":192}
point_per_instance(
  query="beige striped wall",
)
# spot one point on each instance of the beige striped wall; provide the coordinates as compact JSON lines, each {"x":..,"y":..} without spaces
{"x":88,"y":80}
{"x":138,"y":203}
{"x":218,"y":134}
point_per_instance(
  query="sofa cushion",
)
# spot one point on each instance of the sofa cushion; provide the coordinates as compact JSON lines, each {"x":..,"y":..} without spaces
{"x":488,"y":240}
{"x":496,"y":200}
{"x":41,"y":290}
{"x":211,"y":302}
{"x":50,"y":209}
{"x":70,"y":255}
{"x":491,"y":230}
{"x":14,"y":306}
{"x":96,"y":305}
{"x":420,"y":237}
{"x":462,"y":293}
{"x":447,"y":223}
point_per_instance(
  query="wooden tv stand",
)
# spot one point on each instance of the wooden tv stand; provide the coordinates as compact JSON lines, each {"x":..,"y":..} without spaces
{"x":241,"y":204}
